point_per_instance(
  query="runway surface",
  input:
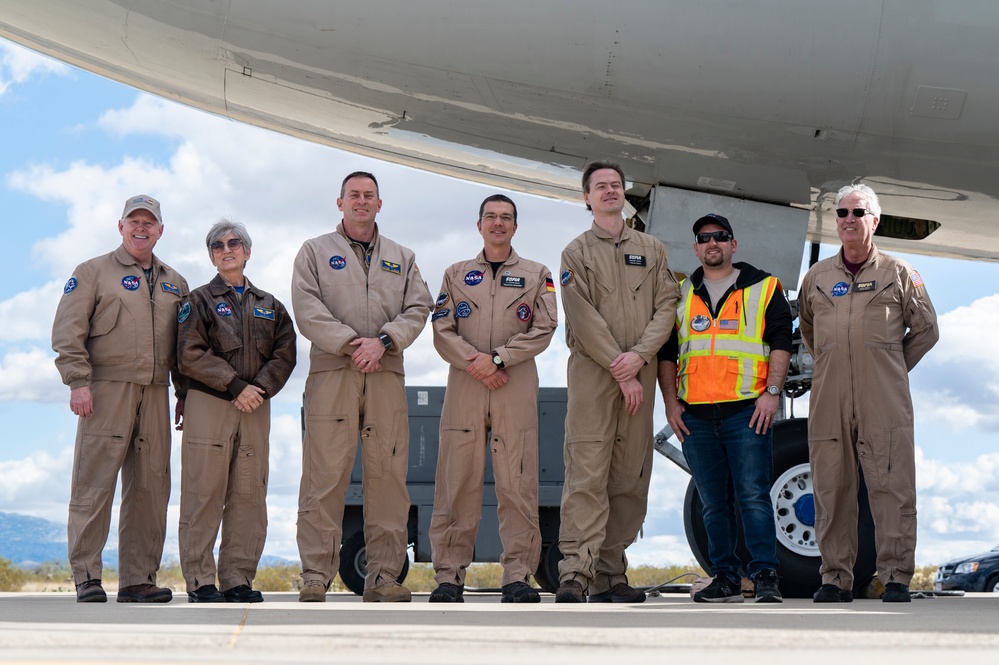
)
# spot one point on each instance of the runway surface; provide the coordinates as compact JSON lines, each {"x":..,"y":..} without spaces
{"x":53,"y":628}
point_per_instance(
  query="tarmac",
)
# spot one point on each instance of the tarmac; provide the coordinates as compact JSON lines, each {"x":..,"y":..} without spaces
{"x":53,"y":628}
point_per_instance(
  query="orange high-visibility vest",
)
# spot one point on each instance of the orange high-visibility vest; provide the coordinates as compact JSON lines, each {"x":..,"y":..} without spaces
{"x":723,"y":359}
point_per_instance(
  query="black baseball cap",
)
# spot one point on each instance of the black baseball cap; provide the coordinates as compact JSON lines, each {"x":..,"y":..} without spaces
{"x":713,"y":219}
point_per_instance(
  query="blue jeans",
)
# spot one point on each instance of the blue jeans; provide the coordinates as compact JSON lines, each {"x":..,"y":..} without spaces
{"x":730,"y":462}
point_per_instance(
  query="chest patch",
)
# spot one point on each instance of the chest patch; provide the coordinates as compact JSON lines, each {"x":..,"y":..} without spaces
{"x":223,"y":309}
{"x":263,"y":313}
{"x":729,"y":324}
{"x":860,"y":287}
{"x":170,"y":288}
{"x":473,"y":277}
{"x":634,"y":259}
{"x":392,"y":267}
{"x":840,"y":289}
{"x":515,"y":282}
{"x":70,"y":285}
{"x":463,"y":310}
{"x":130,"y":282}
{"x":338,"y":262}
{"x":700,"y":323}
{"x":183,"y":312}
{"x":524,"y":312}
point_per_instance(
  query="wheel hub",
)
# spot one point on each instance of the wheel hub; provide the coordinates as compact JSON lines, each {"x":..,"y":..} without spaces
{"x":794,"y":510}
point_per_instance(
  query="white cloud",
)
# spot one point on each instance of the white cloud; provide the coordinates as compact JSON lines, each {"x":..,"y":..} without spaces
{"x":18,"y":65}
{"x":31,"y":376}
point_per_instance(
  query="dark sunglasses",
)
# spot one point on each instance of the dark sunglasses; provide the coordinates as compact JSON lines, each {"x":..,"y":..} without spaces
{"x":233,"y":244}
{"x":708,"y":236}
{"x":843,"y":212}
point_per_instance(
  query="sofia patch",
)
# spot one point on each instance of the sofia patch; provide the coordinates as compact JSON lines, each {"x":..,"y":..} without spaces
{"x":524,"y":312}
{"x":183,"y":312}
{"x":473,"y":277}
{"x":338,"y":262}
{"x":840,"y":289}
{"x":440,"y":314}
{"x":130,"y":282}
{"x":223,"y":309}
{"x":567,"y":276}
{"x":442,"y":299}
{"x":463,"y":310}
{"x":700,"y":323}
{"x":70,"y":286}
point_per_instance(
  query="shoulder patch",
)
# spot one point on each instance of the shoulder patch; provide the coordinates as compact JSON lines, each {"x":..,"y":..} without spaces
{"x":916,"y":279}
{"x":170,"y":288}
{"x":550,"y":285}
{"x":70,"y":286}
{"x":392,"y":267}
{"x":263,"y":313}
{"x":440,"y":314}
{"x":442,"y":299}
{"x":567,"y":276}
{"x":183,"y":312}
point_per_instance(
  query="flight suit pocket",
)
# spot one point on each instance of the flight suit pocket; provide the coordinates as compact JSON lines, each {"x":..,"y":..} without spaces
{"x":585,"y":463}
{"x":883,"y":316}
{"x":328,"y":440}
{"x":457,"y":449}
{"x":638,"y":276}
{"x":247,"y":475}
{"x":119,"y":347}
{"x":226,"y":342}
{"x":384,"y":451}
{"x":98,"y":458}
{"x":201,"y":462}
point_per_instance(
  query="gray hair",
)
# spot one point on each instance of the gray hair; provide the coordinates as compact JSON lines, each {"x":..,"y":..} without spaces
{"x":872,"y":199}
{"x":224,"y":227}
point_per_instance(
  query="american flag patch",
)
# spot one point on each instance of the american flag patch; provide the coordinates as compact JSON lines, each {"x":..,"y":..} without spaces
{"x":729,"y":324}
{"x":916,"y":279}
{"x":550,"y":285}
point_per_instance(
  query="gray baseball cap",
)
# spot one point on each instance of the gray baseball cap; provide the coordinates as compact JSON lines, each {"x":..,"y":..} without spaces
{"x":144,"y":202}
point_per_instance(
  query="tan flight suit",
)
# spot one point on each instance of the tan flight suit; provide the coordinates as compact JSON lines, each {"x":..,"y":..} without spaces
{"x":112,"y":334}
{"x":617,"y":298}
{"x":225,"y":342}
{"x":341,"y":292}
{"x":515,"y":315}
{"x":865,"y":334}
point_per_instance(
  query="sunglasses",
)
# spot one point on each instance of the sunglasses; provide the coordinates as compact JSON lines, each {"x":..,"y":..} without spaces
{"x":717,"y":236}
{"x":232,"y":243}
{"x":843,"y":212}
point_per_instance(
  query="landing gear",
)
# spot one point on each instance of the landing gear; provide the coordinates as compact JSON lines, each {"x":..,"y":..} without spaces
{"x":354,"y":563}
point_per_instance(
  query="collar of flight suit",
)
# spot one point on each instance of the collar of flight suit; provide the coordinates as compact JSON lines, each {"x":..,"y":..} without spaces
{"x":511,"y":260}
{"x":343,"y":232}
{"x":219,"y":286}
{"x":123,"y":257}
{"x":872,"y":259}
{"x":603,"y":234}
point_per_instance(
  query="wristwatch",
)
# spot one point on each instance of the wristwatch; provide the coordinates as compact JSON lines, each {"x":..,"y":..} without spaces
{"x":773,"y":390}
{"x":386,"y":341}
{"x":497,"y":360}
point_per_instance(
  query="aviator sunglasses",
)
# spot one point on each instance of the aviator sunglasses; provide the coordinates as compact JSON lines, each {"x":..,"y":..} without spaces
{"x":708,"y":236}
{"x":843,"y":212}
{"x":232,"y":243}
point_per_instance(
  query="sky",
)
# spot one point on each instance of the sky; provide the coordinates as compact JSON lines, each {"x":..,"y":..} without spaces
{"x":74,"y":146}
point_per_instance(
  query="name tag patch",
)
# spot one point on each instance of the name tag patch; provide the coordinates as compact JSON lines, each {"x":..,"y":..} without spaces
{"x":392,"y":267}
{"x":634,"y":259}
{"x":515,"y":282}
{"x":170,"y":288}
{"x":263,"y":313}
{"x":860,"y":287}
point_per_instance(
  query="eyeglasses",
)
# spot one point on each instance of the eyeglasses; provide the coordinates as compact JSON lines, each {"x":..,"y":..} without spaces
{"x":492,"y":217}
{"x":843,"y":212}
{"x":708,"y":236}
{"x":232,"y":243}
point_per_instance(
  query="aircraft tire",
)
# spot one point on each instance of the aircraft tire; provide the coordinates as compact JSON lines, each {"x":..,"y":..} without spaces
{"x":547,"y":573}
{"x":354,"y":563}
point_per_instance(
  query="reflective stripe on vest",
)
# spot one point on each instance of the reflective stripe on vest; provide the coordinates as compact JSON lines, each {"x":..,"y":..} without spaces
{"x":727,"y":360}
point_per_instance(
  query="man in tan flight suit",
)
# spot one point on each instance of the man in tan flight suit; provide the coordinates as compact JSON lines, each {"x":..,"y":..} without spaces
{"x":494,"y":314}
{"x":115,"y":333}
{"x":360,"y":299}
{"x":867,"y":319}
{"x":619,"y":297}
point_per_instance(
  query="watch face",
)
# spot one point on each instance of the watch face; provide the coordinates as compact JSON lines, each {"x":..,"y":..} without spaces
{"x":773,"y":390}
{"x":497,"y":360}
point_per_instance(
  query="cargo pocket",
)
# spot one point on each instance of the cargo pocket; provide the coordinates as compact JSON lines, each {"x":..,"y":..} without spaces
{"x":328,"y":440}
{"x":98,"y":448}
{"x":246,"y":471}
{"x":201,"y":461}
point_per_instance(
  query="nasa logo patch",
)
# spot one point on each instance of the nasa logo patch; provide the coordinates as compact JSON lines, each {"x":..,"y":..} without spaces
{"x":473,"y":277}
{"x":130,"y":282}
{"x":442,"y":299}
{"x":524,"y":312}
{"x":223,"y":309}
{"x":700,"y":323}
{"x":463,"y":310}
{"x":840,"y":289}
{"x":566,"y":277}
{"x":338,"y":262}
{"x":183,"y":312}
{"x":70,"y":285}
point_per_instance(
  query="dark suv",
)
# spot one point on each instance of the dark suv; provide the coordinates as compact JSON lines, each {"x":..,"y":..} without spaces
{"x":973,"y":573}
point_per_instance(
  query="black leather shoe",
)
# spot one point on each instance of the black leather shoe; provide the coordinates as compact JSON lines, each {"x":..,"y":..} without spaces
{"x":205,"y":594}
{"x":830,"y":593}
{"x":242,"y":594}
{"x":520,"y":592}
{"x":896,"y":593}
{"x":91,"y":591}
{"x":619,"y":593}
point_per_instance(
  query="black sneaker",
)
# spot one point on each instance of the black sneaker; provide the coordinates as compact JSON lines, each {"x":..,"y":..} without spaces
{"x":448,"y":593}
{"x":720,"y":590}
{"x":520,"y":592}
{"x":896,"y":593}
{"x":570,"y":591}
{"x":619,"y":593}
{"x":830,"y":593}
{"x":243,"y":594}
{"x":766,"y":585}
{"x":205,"y":594}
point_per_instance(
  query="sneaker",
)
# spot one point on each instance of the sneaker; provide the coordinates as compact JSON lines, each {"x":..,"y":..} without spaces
{"x":896,"y":593}
{"x":205,"y":594}
{"x":765,"y":584}
{"x":144,"y":593}
{"x":390,"y":592}
{"x":520,"y":592}
{"x":243,"y":594}
{"x":570,"y":591}
{"x":830,"y":593}
{"x":91,"y":591}
{"x":314,"y":591}
{"x":448,"y":593}
{"x":720,"y":590}
{"x":619,"y":593}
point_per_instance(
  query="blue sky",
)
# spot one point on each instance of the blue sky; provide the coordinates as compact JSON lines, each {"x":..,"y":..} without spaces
{"x":75,"y":146}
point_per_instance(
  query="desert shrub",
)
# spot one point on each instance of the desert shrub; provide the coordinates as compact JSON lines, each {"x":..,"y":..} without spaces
{"x":12,"y":578}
